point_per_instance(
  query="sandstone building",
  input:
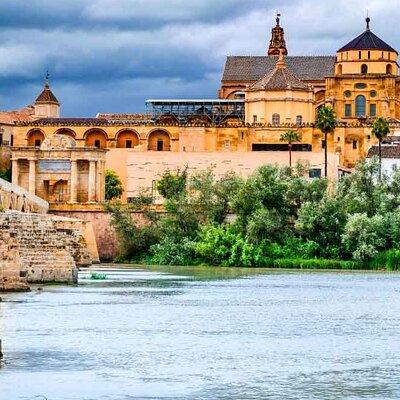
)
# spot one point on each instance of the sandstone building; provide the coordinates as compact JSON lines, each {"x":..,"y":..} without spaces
{"x":260,"y":98}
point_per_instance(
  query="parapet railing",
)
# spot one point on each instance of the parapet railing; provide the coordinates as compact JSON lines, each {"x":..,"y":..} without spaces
{"x":13,"y":197}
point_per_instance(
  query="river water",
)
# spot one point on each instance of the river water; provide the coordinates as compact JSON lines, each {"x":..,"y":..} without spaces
{"x":204,"y":334}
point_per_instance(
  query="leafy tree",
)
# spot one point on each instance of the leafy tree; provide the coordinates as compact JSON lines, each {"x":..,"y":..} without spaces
{"x":5,"y":174}
{"x":364,"y":236}
{"x":326,"y":123}
{"x":172,"y":184}
{"x":290,"y":137}
{"x":114,"y":188}
{"x":380,"y":129}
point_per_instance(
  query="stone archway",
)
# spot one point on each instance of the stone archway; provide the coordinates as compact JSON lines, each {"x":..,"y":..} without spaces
{"x":127,"y":138}
{"x":35,"y":137}
{"x":159,"y":140}
{"x":96,"y":138}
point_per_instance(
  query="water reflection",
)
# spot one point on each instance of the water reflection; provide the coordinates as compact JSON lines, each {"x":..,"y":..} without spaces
{"x":204,"y":333}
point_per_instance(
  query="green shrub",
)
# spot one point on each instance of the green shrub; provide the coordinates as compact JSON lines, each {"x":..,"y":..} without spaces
{"x":169,"y":252}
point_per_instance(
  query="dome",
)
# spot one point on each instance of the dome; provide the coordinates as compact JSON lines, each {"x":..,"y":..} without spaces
{"x":367,"y":41}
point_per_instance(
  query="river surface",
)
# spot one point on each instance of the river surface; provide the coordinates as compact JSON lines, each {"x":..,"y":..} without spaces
{"x":204,"y":334}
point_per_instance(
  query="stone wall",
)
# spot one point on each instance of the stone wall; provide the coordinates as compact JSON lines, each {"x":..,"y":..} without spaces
{"x":36,"y":248}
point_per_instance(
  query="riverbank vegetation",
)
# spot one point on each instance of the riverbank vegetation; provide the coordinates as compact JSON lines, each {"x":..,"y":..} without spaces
{"x":277,"y":217}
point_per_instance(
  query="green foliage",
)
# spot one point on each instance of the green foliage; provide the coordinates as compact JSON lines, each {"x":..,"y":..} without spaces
{"x":277,"y":217}
{"x":380,"y":128}
{"x":172,"y":184}
{"x":364,"y":236}
{"x":5,"y":174}
{"x":290,"y":137}
{"x":113,"y":185}
{"x":97,"y":276}
{"x":326,"y":120}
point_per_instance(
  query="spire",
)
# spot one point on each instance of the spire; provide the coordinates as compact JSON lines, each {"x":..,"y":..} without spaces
{"x":47,"y":96}
{"x":277,"y":42}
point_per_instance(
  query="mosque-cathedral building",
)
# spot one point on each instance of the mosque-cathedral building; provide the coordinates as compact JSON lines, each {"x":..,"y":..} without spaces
{"x":260,"y":97}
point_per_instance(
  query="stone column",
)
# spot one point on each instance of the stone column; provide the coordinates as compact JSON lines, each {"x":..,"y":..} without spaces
{"x":15,"y":171}
{"x":32,"y":176}
{"x":103,"y":180}
{"x":74,"y":182}
{"x":92,"y":181}
{"x":98,"y":180}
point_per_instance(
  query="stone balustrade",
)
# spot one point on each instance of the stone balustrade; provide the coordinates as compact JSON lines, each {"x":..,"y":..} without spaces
{"x":13,"y":197}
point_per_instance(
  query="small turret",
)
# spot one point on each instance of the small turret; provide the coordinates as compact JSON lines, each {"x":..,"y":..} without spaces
{"x":46,"y":104}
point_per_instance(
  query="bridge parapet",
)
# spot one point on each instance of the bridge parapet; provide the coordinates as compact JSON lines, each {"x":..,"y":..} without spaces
{"x":13,"y":197}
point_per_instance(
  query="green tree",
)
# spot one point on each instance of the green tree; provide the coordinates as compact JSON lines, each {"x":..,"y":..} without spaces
{"x":114,"y":188}
{"x":326,"y":123}
{"x":290,"y":137}
{"x":172,"y":183}
{"x":5,"y":174}
{"x":380,"y":129}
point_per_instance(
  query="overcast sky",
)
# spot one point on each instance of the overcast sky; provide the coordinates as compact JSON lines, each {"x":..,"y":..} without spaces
{"x":112,"y":55}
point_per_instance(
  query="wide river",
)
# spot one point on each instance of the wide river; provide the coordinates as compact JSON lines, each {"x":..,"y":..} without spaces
{"x":201,"y":333}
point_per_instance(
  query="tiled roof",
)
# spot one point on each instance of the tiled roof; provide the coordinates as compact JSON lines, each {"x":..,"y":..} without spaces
{"x":11,"y":117}
{"x":367,"y":41}
{"x":130,"y":117}
{"x":46,"y":96}
{"x":253,"y":68}
{"x":388,"y":151}
{"x":280,"y":78}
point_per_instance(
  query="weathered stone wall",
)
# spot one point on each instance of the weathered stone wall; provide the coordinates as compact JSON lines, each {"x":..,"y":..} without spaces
{"x":39,"y":248}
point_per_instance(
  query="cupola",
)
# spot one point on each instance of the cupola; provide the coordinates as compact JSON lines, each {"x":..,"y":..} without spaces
{"x":46,"y":104}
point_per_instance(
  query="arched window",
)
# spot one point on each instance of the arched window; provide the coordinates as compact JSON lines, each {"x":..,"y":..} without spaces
{"x":389,"y":69}
{"x":276,"y":119}
{"x":364,"y":69}
{"x":159,"y":140}
{"x":360,"y":106}
{"x":339,"y":69}
{"x":299,"y":119}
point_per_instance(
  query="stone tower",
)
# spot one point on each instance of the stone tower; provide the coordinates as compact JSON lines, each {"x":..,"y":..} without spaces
{"x":277,"y":43}
{"x":46,"y":104}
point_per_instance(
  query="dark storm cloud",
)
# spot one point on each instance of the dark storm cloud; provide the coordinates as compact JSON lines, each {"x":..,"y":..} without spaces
{"x":110,"y":55}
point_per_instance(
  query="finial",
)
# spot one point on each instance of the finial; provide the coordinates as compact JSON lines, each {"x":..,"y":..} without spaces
{"x":46,"y":78}
{"x":278,"y":16}
{"x":368,"y":20}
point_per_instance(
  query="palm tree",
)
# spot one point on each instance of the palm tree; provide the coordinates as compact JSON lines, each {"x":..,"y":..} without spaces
{"x":289,"y":137}
{"x":326,"y":123}
{"x":380,"y":129}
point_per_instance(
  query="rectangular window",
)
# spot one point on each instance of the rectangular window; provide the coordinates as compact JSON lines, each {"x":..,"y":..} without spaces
{"x":372,"y":110}
{"x":314,"y":173}
{"x":354,"y":144}
{"x":128,"y":144}
{"x":347,"y":110}
{"x":37,"y":142}
{"x":254,"y":119}
{"x":160,"y":145}
{"x":12,"y":140}
{"x":97,"y":143}
{"x":338,"y":139}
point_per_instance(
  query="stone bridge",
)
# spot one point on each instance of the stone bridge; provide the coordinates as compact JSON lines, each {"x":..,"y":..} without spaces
{"x":16,"y":198}
{"x":36,"y":247}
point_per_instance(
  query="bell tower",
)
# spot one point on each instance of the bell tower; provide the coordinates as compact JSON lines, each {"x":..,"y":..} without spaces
{"x":277,"y":44}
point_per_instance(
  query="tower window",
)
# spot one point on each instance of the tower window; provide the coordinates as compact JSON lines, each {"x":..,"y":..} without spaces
{"x":364,"y":69}
{"x":360,"y":106}
{"x":359,"y":55}
{"x":340,"y":69}
{"x":369,"y":55}
{"x":372,"y":110}
{"x":254,"y":119}
{"x":389,"y":69}
{"x":299,"y":119}
{"x":347,"y":110}
{"x":276,"y":119}
{"x":354,"y":144}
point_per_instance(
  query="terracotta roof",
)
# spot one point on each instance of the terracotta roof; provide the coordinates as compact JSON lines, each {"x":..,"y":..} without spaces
{"x":130,"y":117}
{"x":252,"y":68}
{"x":46,"y":96}
{"x":281,"y":78}
{"x":367,"y":41}
{"x":11,"y":117}
{"x":388,"y":151}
